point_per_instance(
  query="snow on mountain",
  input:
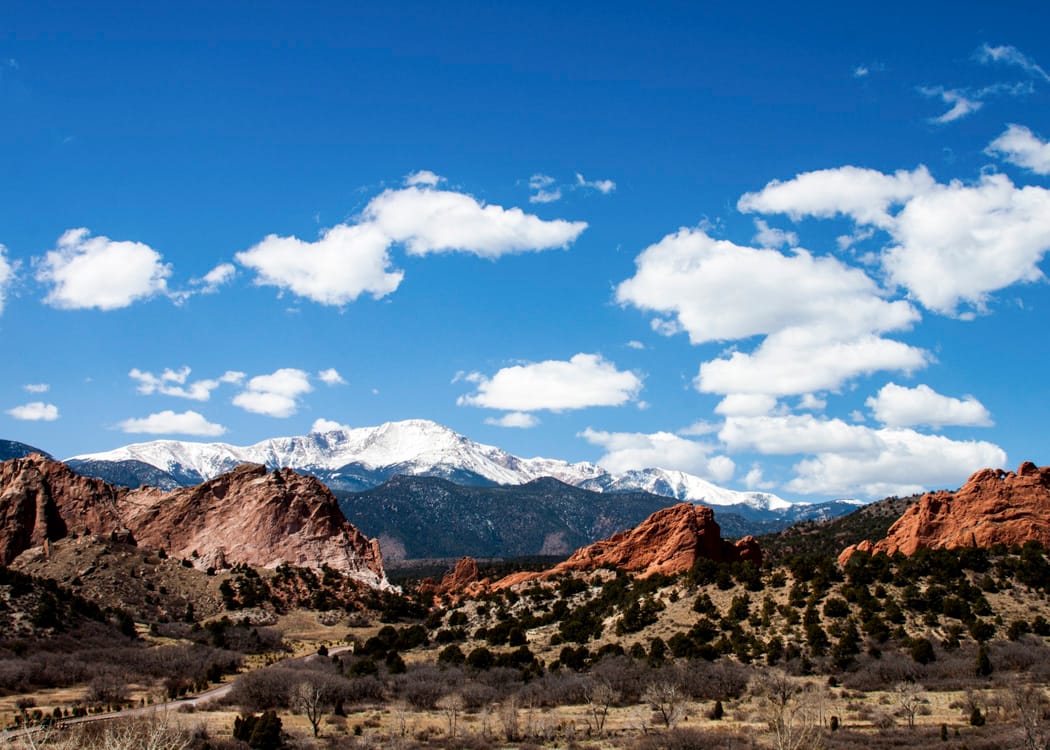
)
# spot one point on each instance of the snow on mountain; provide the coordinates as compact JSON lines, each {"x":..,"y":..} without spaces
{"x":417,"y":447}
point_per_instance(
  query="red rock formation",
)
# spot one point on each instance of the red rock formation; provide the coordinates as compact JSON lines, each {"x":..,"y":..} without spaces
{"x":249,"y":515}
{"x":463,"y":580}
{"x":669,"y":541}
{"x":44,"y":500}
{"x":993,"y":507}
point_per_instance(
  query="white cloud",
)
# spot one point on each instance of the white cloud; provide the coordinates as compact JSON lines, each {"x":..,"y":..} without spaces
{"x":37,"y":411}
{"x":602,"y":186}
{"x":327,"y":425}
{"x":811,"y":402}
{"x":635,"y":345}
{"x":1010,"y":55}
{"x":900,"y":406}
{"x":331,"y":376}
{"x":698,"y":428}
{"x":346,"y":262}
{"x":866,"y":195}
{"x":960,"y":103}
{"x":953,"y":243}
{"x":790,"y":434}
{"x":771,"y":237}
{"x":861,"y":71}
{"x":958,"y":243}
{"x":423,"y":177}
{"x":518,"y":419}
{"x":585,"y":380}
{"x":36,"y":387}
{"x":796,"y":362}
{"x":543,"y":189}
{"x":905,"y":463}
{"x":435,"y":221}
{"x":175,"y":383}
{"x":1019,"y":145}
{"x":275,"y":395}
{"x":171,"y":423}
{"x":626,"y":451}
{"x":746,"y":404}
{"x":97,"y":272}
{"x":854,"y":459}
{"x":7,"y":275}
{"x":217,"y":277}
{"x":754,"y":479}
{"x":721,"y":291}
{"x":821,"y":318}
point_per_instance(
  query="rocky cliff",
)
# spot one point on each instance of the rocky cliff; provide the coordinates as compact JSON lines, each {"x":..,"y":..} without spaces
{"x":249,"y":515}
{"x":669,"y":541}
{"x":993,"y":507}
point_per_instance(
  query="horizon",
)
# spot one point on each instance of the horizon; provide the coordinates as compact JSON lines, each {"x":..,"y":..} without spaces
{"x":716,"y":240}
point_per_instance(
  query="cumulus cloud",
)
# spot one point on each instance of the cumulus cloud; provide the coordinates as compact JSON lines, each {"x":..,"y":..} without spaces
{"x":96,"y":272}
{"x":555,"y":385}
{"x":173,"y":423}
{"x":1020,"y":146}
{"x":900,"y":406}
{"x":755,"y":479}
{"x":796,"y":362}
{"x":423,"y":177}
{"x":327,"y":425}
{"x":627,"y":451}
{"x":866,"y":195}
{"x":436,"y":221}
{"x":518,"y":419}
{"x":7,"y":275}
{"x":346,"y":262}
{"x":855,"y":459}
{"x":602,"y":186}
{"x":720,"y":291}
{"x":352,"y":259}
{"x":767,"y":236}
{"x":953,"y":244}
{"x":905,"y":463}
{"x":36,"y":387}
{"x":331,"y":376}
{"x":543,"y":189}
{"x":274,"y":395}
{"x":176,"y":383}
{"x":217,"y":277}
{"x":746,"y":404}
{"x":821,"y":319}
{"x":1010,"y":55}
{"x":37,"y":411}
{"x":959,"y":103}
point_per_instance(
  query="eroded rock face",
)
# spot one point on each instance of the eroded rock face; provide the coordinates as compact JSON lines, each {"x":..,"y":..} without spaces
{"x":993,"y":507}
{"x":44,"y":500}
{"x":669,"y":541}
{"x":249,"y":515}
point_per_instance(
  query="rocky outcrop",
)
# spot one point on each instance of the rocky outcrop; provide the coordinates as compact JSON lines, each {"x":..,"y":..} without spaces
{"x":463,"y":580}
{"x":669,"y":541}
{"x":993,"y":507}
{"x":42,"y":500}
{"x":249,"y":516}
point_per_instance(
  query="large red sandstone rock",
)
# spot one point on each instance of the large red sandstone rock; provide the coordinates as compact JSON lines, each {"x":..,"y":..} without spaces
{"x":249,"y":515}
{"x":669,"y":541}
{"x":993,"y":507}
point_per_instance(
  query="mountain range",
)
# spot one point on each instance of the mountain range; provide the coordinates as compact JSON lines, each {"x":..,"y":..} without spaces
{"x":354,"y":460}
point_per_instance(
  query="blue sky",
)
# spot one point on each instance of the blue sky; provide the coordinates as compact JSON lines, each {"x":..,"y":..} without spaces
{"x":797,"y":249}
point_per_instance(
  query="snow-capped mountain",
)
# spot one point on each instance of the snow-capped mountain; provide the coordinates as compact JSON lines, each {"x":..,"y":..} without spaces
{"x":361,"y":458}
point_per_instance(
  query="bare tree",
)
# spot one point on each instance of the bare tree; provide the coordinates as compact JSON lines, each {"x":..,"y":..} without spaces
{"x":451,"y":705}
{"x":313,"y":701}
{"x":788,"y":711}
{"x":667,"y":700}
{"x":909,"y":697}
{"x":600,"y":697}
{"x":508,"y":716}
{"x":1030,"y":704}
